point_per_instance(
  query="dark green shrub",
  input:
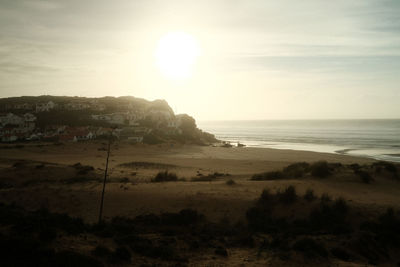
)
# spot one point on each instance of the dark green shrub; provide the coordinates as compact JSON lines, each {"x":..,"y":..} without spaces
{"x":273,"y":175}
{"x":260,"y":219}
{"x":165,"y":176}
{"x":388,"y":166}
{"x":120,"y":255}
{"x":340,"y":206}
{"x":184,"y":217}
{"x":320,"y":169}
{"x":289,"y":195}
{"x":309,"y":195}
{"x":296,"y":170}
{"x":331,"y":218}
{"x":389,"y":228}
{"x":230,"y":182}
{"x":83,"y":169}
{"x":221,"y":251}
{"x":326,"y":197}
{"x":266,"y":197}
{"x":354,"y":166}
{"x":365,"y":176}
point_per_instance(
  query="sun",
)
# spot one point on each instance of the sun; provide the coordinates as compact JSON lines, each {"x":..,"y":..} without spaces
{"x":176,"y":55}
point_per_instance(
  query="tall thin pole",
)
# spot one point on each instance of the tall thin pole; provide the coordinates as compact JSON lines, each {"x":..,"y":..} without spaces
{"x":105,"y":179}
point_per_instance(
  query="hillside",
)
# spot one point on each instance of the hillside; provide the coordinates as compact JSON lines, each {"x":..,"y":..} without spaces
{"x":59,"y":118}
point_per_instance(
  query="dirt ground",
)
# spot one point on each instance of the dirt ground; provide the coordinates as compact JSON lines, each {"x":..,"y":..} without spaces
{"x":67,"y":178}
{"x":130,"y":192}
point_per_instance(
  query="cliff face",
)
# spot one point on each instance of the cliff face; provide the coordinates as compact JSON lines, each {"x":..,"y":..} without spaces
{"x":154,"y":120}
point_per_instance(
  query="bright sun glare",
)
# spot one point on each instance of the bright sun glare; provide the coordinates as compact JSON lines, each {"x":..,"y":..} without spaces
{"x":176,"y":55}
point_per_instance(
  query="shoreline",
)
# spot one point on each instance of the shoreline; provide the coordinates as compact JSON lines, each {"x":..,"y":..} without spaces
{"x":390,"y":157}
{"x":377,"y":139}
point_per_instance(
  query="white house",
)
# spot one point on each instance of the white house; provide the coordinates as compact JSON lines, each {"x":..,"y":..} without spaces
{"x":104,"y":117}
{"x":83,"y":136}
{"x":28,"y":117}
{"x":12,"y":119}
{"x":77,"y":106}
{"x":118,"y":118}
{"x":42,"y":107}
{"x":24,"y":106}
{"x":172,"y":123}
{"x":9,"y":138}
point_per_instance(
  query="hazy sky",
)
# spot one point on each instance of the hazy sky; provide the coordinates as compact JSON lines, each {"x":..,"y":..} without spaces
{"x":258,"y":59}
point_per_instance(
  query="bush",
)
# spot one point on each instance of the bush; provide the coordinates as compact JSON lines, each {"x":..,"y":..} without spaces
{"x":289,"y":195}
{"x":297,"y":170}
{"x":320,"y":169}
{"x":121,"y":254}
{"x":331,"y":218}
{"x":354,"y":166}
{"x":184,"y":217}
{"x":221,"y":251}
{"x":82,"y":169}
{"x":260,"y":219}
{"x":340,"y":206}
{"x":230,"y":182}
{"x":309,"y":195}
{"x":165,"y":176}
{"x":326,"y":197}
{"x":274,"y":175}
{"x":310,"y":248}
{"x":265,"y":197}
{"x":365,"y":176}
{"x":388,"y":166}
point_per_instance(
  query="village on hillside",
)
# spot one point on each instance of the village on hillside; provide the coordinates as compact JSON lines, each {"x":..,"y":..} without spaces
{"x":88,"y":119}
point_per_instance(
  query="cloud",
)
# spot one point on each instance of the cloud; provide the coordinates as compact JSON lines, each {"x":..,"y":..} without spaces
{"x":21,"y":68}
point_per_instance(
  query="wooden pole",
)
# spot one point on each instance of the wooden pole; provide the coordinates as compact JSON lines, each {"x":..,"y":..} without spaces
{"x":105,"y":179}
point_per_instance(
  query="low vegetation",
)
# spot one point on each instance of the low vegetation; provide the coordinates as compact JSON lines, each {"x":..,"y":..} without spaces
{"x":165,"y":176}
{"x":174,"y":237}
{"x":231,"y":182}
{"x":208,"y":178}
{"x":272,"y":175}
{"x":146,"y":165}
{"x":323,"y":169}
{"x":319,"y":169}
{"x":309,"y":195}
{"x":82,"y":169}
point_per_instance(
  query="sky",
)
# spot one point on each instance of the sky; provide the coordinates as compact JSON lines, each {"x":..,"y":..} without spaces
{"x":259,"y":59}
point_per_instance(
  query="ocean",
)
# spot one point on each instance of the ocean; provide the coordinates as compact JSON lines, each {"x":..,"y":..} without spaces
{"x":378,"y":139}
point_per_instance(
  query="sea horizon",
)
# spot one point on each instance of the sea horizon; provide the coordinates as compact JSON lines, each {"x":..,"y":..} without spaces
{"x":372,"y":138}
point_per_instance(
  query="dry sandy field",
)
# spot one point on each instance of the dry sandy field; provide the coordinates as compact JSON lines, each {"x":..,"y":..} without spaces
{"x":67,"y":178}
